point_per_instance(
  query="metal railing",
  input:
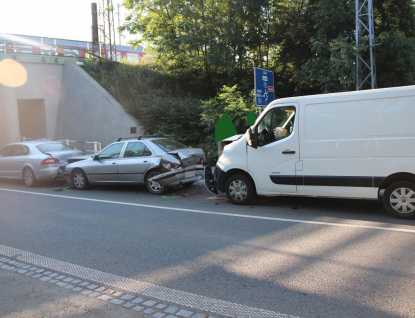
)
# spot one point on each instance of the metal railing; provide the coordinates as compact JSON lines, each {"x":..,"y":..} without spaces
{"x":70,"y":143}
{"x":97,"y":145}
{"x":44,"y":50}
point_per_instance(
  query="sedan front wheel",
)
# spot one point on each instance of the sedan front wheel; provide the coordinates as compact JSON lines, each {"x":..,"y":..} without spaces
{"x":79,"y":180}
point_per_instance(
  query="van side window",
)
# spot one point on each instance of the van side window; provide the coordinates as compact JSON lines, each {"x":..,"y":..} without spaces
{"x":277,"y":124}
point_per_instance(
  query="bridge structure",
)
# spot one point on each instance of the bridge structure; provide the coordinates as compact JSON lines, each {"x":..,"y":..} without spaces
{"x":26,"y":45}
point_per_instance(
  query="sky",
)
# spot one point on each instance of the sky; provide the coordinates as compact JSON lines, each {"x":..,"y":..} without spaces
{"x":63,"y":19}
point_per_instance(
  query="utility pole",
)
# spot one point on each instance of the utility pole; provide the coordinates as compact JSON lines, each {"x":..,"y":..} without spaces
{"x":119,"y":30}
{"x":95,"y":37}
{"x":365,"y":46}
{"x":108,"y":46}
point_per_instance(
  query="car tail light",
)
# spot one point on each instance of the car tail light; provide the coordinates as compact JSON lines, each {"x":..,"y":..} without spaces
{"x":49,"y":161}
{"x":200,"y":162}
{"x":175,"y":166}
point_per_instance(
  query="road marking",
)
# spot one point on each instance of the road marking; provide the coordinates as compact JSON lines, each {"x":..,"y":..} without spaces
{"x":186,"y":299}
{"x":368,"y":227}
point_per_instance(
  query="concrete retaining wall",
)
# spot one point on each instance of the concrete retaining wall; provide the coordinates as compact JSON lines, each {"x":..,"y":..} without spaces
{"x":89,"y":112}
{"x":71,"y":104}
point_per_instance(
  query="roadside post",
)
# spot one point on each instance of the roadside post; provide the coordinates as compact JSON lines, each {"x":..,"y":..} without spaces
{"x":264,"y":87}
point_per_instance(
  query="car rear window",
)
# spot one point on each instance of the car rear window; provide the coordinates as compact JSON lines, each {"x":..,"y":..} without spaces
{"x":169,"y":144}
{"x":53,"y":147}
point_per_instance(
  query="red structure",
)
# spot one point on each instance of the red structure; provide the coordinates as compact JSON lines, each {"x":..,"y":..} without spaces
{"x":36,"y":45}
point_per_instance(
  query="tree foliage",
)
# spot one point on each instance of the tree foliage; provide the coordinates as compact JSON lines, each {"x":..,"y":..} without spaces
{"x":309,"y":44}
{"x":203,"y":53}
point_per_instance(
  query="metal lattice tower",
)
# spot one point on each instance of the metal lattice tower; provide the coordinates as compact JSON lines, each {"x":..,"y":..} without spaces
{"x":107,"y":28}
{"x":365,"y":45}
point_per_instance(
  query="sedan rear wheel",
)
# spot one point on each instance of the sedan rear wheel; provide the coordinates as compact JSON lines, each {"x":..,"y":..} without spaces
{"x":79,"y":180}
{"x":29,"y":177}
{"x":153,"y":186}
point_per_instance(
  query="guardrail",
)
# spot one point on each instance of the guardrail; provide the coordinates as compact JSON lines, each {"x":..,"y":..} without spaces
{"x":44,"y":50}
{"x":97,"y":145}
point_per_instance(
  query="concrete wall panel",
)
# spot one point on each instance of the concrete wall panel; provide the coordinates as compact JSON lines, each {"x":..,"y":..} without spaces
{"x":89,"y":112}
{"x":9,"y":117}
{"x":75,"y":106}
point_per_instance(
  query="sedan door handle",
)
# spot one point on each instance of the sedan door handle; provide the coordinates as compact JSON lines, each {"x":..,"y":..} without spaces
{"x":288,"y":152}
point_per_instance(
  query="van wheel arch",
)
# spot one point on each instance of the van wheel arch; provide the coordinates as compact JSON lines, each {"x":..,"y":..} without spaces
{"x":396,"y":177}
{"x":233,"y":172}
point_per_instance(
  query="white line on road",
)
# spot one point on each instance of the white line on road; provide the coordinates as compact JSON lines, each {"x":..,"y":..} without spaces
{"x":146,"y":289}
{"x":369,"y":227}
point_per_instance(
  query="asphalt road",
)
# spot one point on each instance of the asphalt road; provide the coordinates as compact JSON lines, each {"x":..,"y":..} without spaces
{"x":303,"y":257}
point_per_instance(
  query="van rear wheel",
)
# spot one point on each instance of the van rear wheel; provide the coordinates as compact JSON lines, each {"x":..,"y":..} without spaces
{"x":239,"y":189}
{"x":399,"y":199}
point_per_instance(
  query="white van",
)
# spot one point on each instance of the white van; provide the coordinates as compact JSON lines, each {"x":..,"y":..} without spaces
{"x":344,"y":145}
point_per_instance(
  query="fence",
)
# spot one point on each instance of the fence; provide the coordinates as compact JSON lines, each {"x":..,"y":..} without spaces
{"x":75,"y":144}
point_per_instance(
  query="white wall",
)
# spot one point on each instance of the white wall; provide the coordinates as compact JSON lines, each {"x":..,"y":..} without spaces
{"x":76,"y":106}
{"x":43,"y":82}
{"x":87,"y":111}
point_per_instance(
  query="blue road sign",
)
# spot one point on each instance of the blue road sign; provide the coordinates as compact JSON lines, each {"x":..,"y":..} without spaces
{"x":264,"y":87}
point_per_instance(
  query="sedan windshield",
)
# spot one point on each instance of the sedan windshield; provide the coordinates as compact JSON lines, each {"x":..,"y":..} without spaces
{"x":53,"y":147}
{"x":169,"y":144}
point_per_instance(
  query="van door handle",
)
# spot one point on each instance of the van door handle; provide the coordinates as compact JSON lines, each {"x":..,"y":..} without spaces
{"x":288,"y":152}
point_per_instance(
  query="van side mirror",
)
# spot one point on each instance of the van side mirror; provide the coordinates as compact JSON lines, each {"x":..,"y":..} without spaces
{"x":252,"y":137}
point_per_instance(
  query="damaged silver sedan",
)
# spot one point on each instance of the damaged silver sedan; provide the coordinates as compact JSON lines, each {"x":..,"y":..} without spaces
{"x":157,"y":162}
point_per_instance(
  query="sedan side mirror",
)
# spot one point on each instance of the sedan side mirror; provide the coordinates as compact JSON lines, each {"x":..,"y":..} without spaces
{"x":96,"y":157}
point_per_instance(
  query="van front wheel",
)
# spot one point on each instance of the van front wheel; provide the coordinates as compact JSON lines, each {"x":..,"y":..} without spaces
{"x":399,"y":199}
{"x":239,"y":189}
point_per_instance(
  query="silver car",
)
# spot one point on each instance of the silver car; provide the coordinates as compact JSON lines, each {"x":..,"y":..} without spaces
{"x":154,"y":161}
{"x":33,"y":161}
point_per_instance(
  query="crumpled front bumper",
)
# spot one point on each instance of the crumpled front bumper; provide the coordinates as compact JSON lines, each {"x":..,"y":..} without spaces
{"x":179,"y":176}
{"x":63,"y":174}
{"x":214,"y":179}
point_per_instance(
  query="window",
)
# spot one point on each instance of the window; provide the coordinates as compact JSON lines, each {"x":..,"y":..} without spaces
{"x":21,"y":150}
{"x":112,"y":151}
{"x":169,"y":144}
{"x":136,"y":149}
{"x":6,"y":151}
{"x":132,"y":57}
{"x":277,"y":124}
